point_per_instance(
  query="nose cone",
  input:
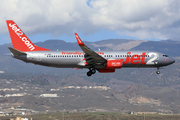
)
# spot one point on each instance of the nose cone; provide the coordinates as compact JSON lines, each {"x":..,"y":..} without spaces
{"x":171,"y":60}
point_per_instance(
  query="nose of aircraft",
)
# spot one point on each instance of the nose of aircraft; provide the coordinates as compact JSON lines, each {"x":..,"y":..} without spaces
{"x":171,"y":60}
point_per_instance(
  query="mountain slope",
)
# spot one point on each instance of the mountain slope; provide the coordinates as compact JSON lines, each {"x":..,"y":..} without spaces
{"x":168,"y":47}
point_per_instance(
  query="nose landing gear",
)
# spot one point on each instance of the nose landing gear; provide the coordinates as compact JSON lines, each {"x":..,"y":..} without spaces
{"x":91,"y":71}
{"x":158,"y":72}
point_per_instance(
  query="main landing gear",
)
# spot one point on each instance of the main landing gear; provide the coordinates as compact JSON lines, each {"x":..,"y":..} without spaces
{"x":91,"y":71}
{"x":158,"y":72}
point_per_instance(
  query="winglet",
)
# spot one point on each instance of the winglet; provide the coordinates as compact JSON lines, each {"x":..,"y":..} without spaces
{"x":79,"y":40}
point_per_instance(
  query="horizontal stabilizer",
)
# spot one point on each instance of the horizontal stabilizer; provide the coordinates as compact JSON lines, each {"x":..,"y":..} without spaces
{"x":16,"y":52}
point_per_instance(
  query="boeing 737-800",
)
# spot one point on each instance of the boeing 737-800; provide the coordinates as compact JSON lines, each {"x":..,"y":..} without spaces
{"x":102,"y":61}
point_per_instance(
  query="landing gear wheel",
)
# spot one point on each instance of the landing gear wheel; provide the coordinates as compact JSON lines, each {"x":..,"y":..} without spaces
{"x":89,"y":73}
{"x":158,"y":72}
{"x":93,"y":71}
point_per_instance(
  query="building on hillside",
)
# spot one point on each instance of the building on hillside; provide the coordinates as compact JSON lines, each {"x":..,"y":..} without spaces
{"x":49,"y":95}
{"x":12,"y":118}
{"x":19,"y":118}
{"x":2,"y":113}
{"x":146,"y":112}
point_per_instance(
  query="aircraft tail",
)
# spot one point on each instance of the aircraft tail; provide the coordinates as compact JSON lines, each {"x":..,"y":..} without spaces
{"x":19,"y":40}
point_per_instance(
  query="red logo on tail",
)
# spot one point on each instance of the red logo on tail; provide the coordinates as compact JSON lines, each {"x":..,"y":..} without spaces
{"x":20,"y":33}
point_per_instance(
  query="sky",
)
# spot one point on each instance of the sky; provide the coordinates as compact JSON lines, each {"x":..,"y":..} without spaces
{"x":93,"y":20}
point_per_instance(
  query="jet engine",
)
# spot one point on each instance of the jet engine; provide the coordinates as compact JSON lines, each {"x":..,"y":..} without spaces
{"x":111,"y":65}
{"x":114,"y":64}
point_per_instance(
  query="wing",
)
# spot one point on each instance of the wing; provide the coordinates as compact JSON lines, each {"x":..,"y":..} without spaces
{"x":91,"y":57}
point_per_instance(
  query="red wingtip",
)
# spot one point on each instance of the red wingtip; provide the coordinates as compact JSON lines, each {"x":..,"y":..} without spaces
{"x":79,"y":40}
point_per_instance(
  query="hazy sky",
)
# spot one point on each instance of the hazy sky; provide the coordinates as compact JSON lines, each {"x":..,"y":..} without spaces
{"x":93,"y":20}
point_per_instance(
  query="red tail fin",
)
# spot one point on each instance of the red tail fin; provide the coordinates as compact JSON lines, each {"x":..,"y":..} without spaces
{"x":19,"y":40}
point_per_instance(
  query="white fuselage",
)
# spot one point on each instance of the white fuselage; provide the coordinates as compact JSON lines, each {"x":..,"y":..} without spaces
{"x":71,"y":59}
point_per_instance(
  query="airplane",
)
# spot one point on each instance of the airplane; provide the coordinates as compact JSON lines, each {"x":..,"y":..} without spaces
{"x":101,"y":61}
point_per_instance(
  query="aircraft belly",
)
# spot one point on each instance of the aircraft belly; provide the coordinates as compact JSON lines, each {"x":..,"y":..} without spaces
{"x":56,"y":62}
{"x":139,"y":65}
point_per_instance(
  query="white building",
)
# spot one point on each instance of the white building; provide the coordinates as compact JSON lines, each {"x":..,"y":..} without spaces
{"x":49,"y":95}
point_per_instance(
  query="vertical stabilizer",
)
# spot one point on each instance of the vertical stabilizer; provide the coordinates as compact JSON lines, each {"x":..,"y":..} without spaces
{"x":19,"y":40}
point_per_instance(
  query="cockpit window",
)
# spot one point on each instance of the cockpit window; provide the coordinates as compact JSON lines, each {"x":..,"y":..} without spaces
{"x":165,"y":56}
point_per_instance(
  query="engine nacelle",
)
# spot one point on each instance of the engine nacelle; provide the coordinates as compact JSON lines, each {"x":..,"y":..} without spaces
{"x":114,"y":64}
{"x":111,"y":65}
